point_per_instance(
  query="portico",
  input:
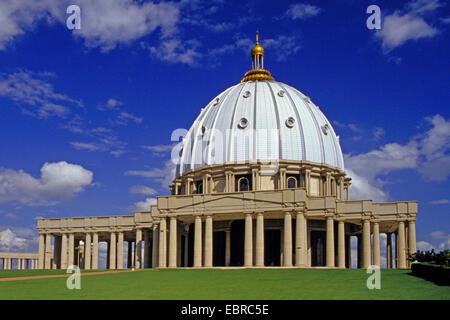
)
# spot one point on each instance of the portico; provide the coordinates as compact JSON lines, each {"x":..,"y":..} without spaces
{"x":192,"y":230}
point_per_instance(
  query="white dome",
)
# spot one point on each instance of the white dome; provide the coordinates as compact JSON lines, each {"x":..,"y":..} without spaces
{"x":260,"y":120}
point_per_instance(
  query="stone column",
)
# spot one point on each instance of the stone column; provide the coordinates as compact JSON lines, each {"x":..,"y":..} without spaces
{"x":208,"y":241}
{"x":64,"y":251}
{"x":71,"y":251}
{"x":120,"y":250}
{"x":41,"y":250}
{"x":198,"y":242}
{"x":412,"y":236}
{"x":401,"y":253}
{"x":376,"y":244}
{"x":87,"y":252}
{"x":48,"y":251}
{"x":112,"y":251}
{"x":173,"y":243}
{"x":349,"y":252}
{"x":330,"y":242}
{"x":366,"y":244}
{"x":138,"y":249}
{"x":389,"y":250}
{"x":287,"y":242}
{"x":300,"y":243}
{"x":162,"y":259}
{"x":341,"y":244}
{"x":94,"y":253}
{"x":179,"y":242}
{"x":259,"y":240}
{"x":146,"y":249}
{"x":227,"y":247}
{"x":155,"y":253}
{"x":248,"y":244}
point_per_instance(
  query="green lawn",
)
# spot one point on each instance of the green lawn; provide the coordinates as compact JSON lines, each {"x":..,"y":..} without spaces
{"x":229,"y":284}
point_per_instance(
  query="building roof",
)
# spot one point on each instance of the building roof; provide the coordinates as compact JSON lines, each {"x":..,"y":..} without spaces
{"x":260,"y":120}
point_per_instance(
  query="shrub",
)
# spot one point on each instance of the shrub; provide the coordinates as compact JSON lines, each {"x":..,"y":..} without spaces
{"x":442,"y":258}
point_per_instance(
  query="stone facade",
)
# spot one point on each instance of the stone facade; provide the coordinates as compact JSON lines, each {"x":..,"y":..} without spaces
{"x":268,"y":220}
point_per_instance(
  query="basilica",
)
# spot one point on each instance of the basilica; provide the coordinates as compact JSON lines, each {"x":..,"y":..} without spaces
{"x":260,"y":182}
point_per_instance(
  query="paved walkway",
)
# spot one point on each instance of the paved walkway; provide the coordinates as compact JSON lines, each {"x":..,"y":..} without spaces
{"x":62,"y":275}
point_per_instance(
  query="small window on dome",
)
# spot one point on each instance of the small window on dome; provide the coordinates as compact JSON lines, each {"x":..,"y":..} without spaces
{"x":291,"y":183}
{"x":325,"y":128}
{"x":203,"y":129}
{"x":290,"y":122}
{"x":243,"y":123}
{"x":247,"y":94}
{"x":281,"y":93}
{"x":216,"y":101}
{"x":243,"y":184}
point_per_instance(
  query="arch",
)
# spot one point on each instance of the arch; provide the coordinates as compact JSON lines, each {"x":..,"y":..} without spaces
{"x":243,"y":184}
{"x":292,"y":182}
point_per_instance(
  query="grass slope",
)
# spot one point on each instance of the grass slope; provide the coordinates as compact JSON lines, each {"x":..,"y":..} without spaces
{"x":230,"y":284}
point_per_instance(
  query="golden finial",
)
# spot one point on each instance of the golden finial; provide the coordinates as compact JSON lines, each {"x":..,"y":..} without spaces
{"x":258,"y":73}
{"x":257,"y":49}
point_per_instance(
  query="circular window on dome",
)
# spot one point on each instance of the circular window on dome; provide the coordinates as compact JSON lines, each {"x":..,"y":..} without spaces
{"x":216,"y":101}
{"x":307,"y":99}
{"x":281,"y":93}
{"x":243,"y":123}
{"x":325,"y":129}
{"x":247,"y":94}
{"x":203,"y":129}
{"x":290,"y":122}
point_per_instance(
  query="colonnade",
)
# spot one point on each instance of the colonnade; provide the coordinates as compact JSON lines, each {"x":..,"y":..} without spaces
{"x":160,"y":245}
{"x":21,"y":263}
{"x":67,"y":250}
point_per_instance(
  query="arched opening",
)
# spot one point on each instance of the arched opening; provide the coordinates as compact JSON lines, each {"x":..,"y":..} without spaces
{"x":243,"y":184}
{"x":198,"y":187}
{"x":292,"y":182}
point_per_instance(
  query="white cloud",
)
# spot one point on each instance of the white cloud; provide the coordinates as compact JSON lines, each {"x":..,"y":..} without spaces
{"x":427,"y":153}
{"x":105,"y":23}
{"x":142,"y":190}
{"x":35,"y":95}
{"x":164,"y":175}
{"x":378,"y":133}
{"x":407,"y":24}
{"x":86,"y":146}
{"x":302,"y":11}
{"x":282,"y":46}
{"x":442,"y":243}
{"x":364,"y":189}
{"x":441,"y":201}
{"x":424,"y":246}
{"x":18,"y":239}
{"x":59,"y":180}
{"x":173,"y":50}
{"x":145,"y":205}
{"x":125,"y":117}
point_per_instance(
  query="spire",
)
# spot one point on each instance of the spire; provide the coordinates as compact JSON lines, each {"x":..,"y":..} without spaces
{"x":257,"y":72}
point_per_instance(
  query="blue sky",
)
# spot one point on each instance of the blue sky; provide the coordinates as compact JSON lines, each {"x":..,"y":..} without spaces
{"x":87,"y":115}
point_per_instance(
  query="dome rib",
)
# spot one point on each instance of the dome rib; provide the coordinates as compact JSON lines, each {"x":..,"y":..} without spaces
{"x":264,"y":107}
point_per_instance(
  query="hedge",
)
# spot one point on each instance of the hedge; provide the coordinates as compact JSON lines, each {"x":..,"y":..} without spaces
{"x":438,"y":274}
